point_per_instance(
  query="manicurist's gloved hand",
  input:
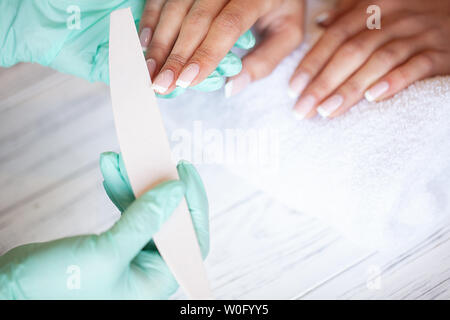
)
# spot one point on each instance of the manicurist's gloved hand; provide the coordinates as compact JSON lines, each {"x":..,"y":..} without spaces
{"x":120,"y":263}
{"x":72,"y":36}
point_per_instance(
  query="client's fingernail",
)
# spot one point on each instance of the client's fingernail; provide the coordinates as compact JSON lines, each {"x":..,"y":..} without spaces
{"x":322,"y":17}
{"x":304,"y":106}
{"x":330,"y":105}
{"x":298,"y":84}
{"x":237,"y":84}
{"x":188,"y":75}
{"x":151,"y":66}
{"x":146,"y":35}
{"x":376,"y":91}
{"x":163,"y":81}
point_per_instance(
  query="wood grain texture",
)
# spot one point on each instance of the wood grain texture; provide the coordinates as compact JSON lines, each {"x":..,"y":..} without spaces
{"x":53,"y":128}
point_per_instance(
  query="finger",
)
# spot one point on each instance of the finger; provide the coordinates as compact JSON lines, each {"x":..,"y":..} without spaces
{"x":380,"y":63}
{"x":149,"y":20}
{"x":343,"y":29}
{"x":116,"y":181}
{"x":197,"y":202}
{"x":417,"y":68}
{"x":349,"y":58}
{"x":192,"y":31}
{"x":166,"y":32}
{"x":235,"y":18}
{"x":142,"y":219}
{"x":266,"y":56}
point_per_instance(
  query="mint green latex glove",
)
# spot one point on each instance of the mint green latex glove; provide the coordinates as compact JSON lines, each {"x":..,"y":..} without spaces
{"x":47,"y":32}
{"x":114,"y":264}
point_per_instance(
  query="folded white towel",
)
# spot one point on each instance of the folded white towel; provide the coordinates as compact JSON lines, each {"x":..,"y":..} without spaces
{"x":380,"y":173}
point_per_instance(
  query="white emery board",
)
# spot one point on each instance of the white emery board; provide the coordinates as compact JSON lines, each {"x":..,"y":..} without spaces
{"x":146,"y":151}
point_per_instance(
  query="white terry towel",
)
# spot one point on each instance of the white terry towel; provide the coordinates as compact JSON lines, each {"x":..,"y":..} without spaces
{"x":380,"y":174}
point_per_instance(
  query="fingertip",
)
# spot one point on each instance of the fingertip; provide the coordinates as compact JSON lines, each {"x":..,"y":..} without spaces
{"x":188,"y":75}
{"x":163,"y":81}
{"x":377,"y":91}
{"x":237,"y":83}
{"x":145,"y":37}
{"x":188,"y":173}
{"x":108,"y":156}
{"x":298,"y":84}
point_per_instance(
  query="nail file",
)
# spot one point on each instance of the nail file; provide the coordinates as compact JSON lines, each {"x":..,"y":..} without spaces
{"x":146,"y":151}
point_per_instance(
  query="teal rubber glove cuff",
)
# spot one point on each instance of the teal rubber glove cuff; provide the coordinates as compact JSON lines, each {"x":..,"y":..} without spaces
{"x":73,"y":37}
{"x":117,"y":264}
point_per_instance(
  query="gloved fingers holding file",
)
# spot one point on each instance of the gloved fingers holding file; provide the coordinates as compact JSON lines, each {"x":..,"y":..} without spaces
{"x":120,"y":263}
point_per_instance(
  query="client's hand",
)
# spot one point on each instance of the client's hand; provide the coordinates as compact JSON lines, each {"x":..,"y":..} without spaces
{"x":187,"y":39}
{"x":350,"y":61}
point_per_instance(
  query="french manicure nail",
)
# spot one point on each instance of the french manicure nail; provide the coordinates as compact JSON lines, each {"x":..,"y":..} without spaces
{"x":237,"y":84}
{"x":163,"y":81}
{"x":322,"y":17}
{"x":298,"y":84}
{"x":304,"y":106}
{"x":145,"y":37}
{"x":330,"y":105}
{"x":151,"y":66}
{"x":188,"y":75}
{"x":376,"y":91}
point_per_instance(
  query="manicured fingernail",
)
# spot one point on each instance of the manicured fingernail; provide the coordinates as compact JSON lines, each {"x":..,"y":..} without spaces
{"x":304,"y":106}
{"x":145,"y":37}
{"x":298,"y":84}
{"x":163,"y":81}
{"x":330,"y":105}
{"x":188,"y":75}
{"x":237,"y":84}
{"x":376,"y":91}
{"x":322,"y":17}
{"x":151,"y":66}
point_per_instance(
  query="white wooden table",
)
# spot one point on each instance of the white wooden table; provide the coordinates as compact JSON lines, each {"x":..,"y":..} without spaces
{"x":53,"y":128}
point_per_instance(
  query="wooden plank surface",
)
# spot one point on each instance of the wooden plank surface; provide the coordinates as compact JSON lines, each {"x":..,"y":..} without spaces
{"x":53,"y":128}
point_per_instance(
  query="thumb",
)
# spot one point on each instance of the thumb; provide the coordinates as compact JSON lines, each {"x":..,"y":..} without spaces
{"x":143,"y":218}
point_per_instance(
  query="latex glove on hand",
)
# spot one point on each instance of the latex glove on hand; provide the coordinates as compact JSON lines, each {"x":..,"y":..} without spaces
{"x":72,"y":36}
{"x":120,"y":263}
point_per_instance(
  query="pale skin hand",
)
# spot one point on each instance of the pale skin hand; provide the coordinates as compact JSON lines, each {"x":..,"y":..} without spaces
{"x":186,"y":39}
{"x":351,"y":62}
